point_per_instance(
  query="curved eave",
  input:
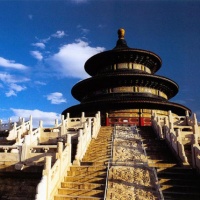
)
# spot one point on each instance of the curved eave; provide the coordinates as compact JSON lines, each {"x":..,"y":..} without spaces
{"x":106,"y":106}
{"x":169,"y":87}
{"x":100,"y":60}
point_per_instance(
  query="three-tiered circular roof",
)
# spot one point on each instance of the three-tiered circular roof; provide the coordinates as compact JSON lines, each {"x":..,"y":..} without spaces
{"x":99,"y":93}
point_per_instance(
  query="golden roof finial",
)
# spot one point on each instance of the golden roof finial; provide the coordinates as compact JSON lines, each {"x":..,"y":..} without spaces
{"x":121,"y":33}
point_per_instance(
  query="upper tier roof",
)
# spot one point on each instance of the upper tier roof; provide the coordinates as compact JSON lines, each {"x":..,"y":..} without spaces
{"x":122,"y":54}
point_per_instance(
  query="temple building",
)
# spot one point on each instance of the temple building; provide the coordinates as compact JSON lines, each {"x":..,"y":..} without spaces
{"x":124,"y":87}
{"x":124,"y":141}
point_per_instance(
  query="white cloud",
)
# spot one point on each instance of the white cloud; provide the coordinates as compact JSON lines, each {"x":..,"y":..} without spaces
{"x":56,"y":98}
{"x":70,"y":59}
{"x":10,"y":82}
{"x":39,"y":44}
{"x":48,"y":118}
{"x":8,"y":78}
{"x":14,"y":88}
{"x":85,"y":30}
{"x":59,"y":34}
{"x":39,"y":83}
{"x":11,"y":64}
{"x":37,"y":55}
{"x":11,"y":93}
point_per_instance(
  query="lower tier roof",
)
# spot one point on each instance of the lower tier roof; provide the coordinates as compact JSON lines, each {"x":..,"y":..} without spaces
{"x":107,"y":106}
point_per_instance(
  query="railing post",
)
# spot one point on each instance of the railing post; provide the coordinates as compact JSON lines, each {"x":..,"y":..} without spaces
{"x":31,"y":124}
{"x":62,"y":125}
{"x":56,"y":123}
{"x":41,"y":124}
{"x":187,"y":117}
{"x":67,"y":120}
{"x":23,"y":125}
{"x":79,"y":148}
{"x":47,"y":172}
{"x":90,"y":126}
{"x":171,"y":121}
{"x":82,"y":118}
{"x":10,"y":123}
{"x":194,"y":119}
{"x":60,"y":150}
{"x":69,"y":143}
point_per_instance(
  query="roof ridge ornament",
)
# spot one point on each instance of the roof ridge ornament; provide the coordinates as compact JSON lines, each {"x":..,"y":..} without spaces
{"x":121,"y":42}
{"x":121,"y":33}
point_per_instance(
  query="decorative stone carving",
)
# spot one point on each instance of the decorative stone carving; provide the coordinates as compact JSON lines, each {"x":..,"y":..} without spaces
{"x":130,"y":178}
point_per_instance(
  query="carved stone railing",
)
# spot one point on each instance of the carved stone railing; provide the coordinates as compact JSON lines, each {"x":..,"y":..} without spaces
{"x":196,"y":157}
{"x":52,"y":176}
{"x":19,"y":128}
{"x":89,"y":131}
{"x":84,"y":138}
{"x":179,"y":130}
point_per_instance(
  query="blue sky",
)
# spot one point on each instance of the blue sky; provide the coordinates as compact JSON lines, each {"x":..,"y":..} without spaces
{"x":44,"y":45}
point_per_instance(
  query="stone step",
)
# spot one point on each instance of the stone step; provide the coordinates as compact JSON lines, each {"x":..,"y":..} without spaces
{"x":180,"y":188}
{"x":98,"y":152}
{"x":81,"y":192}
{"x":84,"y":162}
{"x":98,"y":142}
{"x":76,"y":185}
{"x":161,"y":164}
{"x":87,"y":168}
{"x":94,"y":160}
{"x":175,"y":181}
{"x":100,"y":156}
{"x":89,"y":179}
{"x":155,"y":162}
{"x":68,"y":197}
{"x":168,"y":195}
{"x":86,"y":173}
{"x":175,"y":175}
{"x":177,"y":170}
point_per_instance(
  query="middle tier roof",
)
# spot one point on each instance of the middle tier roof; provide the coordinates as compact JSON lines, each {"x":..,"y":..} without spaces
{"x":96,"y":83}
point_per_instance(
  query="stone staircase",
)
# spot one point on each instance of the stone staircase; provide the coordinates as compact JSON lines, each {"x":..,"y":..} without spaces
{"x":177,"y":182}
{"x":88,"y":181}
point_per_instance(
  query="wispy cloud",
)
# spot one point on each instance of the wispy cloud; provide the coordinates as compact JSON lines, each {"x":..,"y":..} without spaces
{"x":84,"y":31}
{"x":39,"y":83}
{"x":37,"y":55}
{"x":11,"y":64}
{"x":56,"y":98}
{"x":59,"y":34}
{"x":14,"y":88}
{"x":8,"y":78}
{"x":48,"y":118}
{"x":11,"y":83}
{"x":39,"y":44}
{"x":70,"y":59}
